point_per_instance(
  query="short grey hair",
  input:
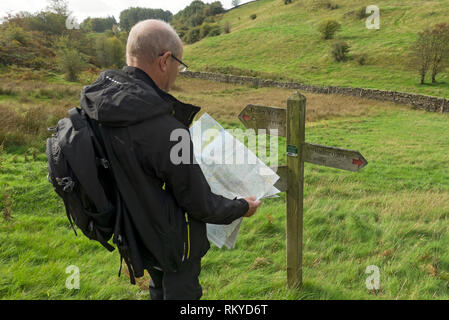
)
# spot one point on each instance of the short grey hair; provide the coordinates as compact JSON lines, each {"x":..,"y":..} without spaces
{"x":150,"y":38}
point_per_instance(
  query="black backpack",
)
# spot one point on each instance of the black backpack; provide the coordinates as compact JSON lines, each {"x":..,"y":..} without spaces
{"x":80,"y":173}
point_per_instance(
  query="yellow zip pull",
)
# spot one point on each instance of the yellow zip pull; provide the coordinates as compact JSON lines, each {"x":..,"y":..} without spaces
{"x":188,"y":235}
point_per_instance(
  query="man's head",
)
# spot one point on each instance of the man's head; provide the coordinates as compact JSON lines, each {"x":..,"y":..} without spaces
{"x":151,"y":46}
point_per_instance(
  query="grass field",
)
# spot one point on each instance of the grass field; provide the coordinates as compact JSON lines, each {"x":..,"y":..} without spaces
{"x":393,"y":214}
{"x":284,"y":42}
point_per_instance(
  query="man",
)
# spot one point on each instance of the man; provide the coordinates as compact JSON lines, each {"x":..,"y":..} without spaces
{"x":164,"y":206}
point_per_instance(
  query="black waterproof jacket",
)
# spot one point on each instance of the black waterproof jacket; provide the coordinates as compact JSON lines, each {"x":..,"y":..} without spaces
{"x":165,"y":207}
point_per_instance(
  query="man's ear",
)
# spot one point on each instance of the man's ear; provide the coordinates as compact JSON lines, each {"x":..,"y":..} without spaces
{"x":163,"y":61}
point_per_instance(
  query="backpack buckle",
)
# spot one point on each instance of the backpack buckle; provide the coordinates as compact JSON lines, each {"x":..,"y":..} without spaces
{"x":105,"y":163}
{"x":67,"y":183}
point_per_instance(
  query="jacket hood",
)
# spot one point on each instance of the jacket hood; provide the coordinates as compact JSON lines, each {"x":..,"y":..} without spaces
{"x":119,"y":98}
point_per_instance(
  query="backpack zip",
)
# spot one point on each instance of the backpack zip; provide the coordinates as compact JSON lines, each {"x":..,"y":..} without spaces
{"x":188,"y":236}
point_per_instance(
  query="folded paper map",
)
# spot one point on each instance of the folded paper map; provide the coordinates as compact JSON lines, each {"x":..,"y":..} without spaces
{"x":232,"y":170}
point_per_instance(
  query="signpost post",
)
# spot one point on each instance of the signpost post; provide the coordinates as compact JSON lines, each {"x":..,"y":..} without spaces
{"x":290,"y":122}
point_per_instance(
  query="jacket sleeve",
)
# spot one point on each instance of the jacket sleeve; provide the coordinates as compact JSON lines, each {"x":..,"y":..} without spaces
{"x":191,"y":190}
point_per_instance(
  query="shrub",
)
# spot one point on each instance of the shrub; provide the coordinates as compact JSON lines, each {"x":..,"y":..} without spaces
{"x":71,"y":63}
{"x":287,"y":1}
{"x":340,"y":50}
{"x":204,"y":30}
{"x":326,"y":4}
{"x":328,"y":28}
{"x":227,"y":27}
{"x":253,"y":16}
{"x":110,"y":52}
{"x":214,"y":31}
{"x":361,"y":13}
{"x":361,"y":60}
{"x":15,"y":33}
{"x":192,"y":36}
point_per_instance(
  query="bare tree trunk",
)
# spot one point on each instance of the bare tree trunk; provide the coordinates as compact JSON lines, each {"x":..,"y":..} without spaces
{"x":423,"y":77}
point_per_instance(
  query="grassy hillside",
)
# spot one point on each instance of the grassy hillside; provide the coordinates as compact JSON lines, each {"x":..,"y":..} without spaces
{"x":393,"y":214}
{"x":283,"y":41}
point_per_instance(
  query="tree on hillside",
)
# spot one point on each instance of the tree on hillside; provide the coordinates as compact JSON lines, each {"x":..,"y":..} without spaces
{"x":60,"y":7}
{"x":235,"y":3}
{"x":431,"y":51}
{"x":131,"y":16}
{"x":195,"y":17}
{"x":420,"y":54}
{"x":110,"y":52}
{"x":50,"y":23}
{"x":213,"y":9}
{"x":439,"y":49}
{"x":192,"y":15}
{"x":98,"y":25}
{"x":69,"y":59}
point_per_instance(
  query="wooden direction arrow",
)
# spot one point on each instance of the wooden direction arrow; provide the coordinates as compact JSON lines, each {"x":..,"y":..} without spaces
{"x":324,"y":156}
{"x":334,"y":157}
{"x":260,"y":117}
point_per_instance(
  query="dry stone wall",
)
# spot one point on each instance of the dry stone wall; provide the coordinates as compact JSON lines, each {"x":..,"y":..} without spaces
{"x":428,"y":103}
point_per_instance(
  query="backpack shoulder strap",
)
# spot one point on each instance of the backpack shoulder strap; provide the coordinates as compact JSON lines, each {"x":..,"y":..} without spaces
{"x":77,"y":119}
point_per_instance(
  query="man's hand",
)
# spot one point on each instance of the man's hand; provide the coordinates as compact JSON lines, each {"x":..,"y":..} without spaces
{"x":253,"y":205}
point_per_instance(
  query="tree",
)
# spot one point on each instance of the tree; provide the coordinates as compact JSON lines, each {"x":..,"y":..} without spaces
{"x":70,"y":60}
{"x":131,"y":16}
{"x":110,"y":52}
{"x":213,"y":9}
{"x":50,"y":23}
{"x":235,"y":3}
{"x":439,"y":49}
{"x":99,"y":25}
{"x":193,"y":35}
{"x":328,"y":28}
{"x":421,"y":54}
{"x":60,"y":7}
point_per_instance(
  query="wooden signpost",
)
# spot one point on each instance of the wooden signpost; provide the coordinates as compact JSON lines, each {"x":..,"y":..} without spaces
{"x":290,"y":122}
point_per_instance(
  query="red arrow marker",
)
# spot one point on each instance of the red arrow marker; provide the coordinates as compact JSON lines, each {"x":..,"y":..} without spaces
{"x":358,"y":162}
{"x":246,"y":117}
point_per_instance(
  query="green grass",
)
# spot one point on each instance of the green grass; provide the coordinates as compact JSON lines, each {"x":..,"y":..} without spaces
{"x":393,"y":214}
{"x":284,"y":42}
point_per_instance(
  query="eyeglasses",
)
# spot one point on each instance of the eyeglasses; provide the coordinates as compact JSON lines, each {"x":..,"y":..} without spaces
{"x":182,"y":66}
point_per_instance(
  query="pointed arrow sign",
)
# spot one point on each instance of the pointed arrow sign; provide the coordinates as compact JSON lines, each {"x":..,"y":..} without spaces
{"x":334,"y":157}
{"x":266,"y":118}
